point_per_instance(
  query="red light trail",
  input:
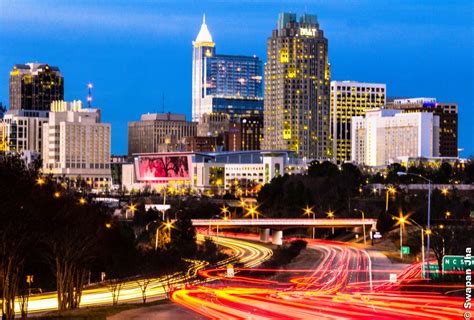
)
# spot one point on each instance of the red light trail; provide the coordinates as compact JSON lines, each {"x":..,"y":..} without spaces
{"x":338,"y":287}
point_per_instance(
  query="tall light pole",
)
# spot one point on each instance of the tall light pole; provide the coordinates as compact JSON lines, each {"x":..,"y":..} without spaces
{"x":363,"y":224}
{"x":422,"y":246}
{"x":331,"y":215}
{"x":309,"y":211}
{"x":428,"y":224}
{"x":389,"y":190}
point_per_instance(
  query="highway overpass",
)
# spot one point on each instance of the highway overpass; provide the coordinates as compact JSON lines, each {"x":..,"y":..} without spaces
{"x":278,"y":225}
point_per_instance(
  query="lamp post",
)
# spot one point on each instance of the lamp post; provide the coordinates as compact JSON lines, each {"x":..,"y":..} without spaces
{"x":428,"y":224}
{"x":389,"y":190}
{"x":422,"y":246}
{"x":225,"y":211}
{"x":252,"y":211}
{"x":309,"y":211}
{"x":363,"y":223}
{"x":401,"y":222}
{"x":331,"y":215}
{"x":131,"y":207}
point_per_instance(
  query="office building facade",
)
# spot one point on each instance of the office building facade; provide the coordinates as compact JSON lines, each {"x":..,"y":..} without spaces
{"x":21,"y":131}
{"x":448,"y":120}
{"x":383,"y":136}
{"x":297,"y":88}
{"x":159,"y":132}
{"x":350,"y":99}
{"x":77,"y":145}
{"x":34,"y":86}
{"x":229,"y":84}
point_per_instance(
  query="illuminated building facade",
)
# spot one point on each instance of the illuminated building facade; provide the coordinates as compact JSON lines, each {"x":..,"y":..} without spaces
{"x":230,"y":84}
{"x":77,"y":145}
{"x":297,"y":88}
{"x":204,"y":171}
{"x":383,"y":136}
{"x":448,"y":120}
{"x":350,"y":99}
{"x":21,"y":131}
{"x":159,"y":132}
{"x":33,"y":86}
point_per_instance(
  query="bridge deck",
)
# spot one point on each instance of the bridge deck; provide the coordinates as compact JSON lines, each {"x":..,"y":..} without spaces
{"x":322,"y":223}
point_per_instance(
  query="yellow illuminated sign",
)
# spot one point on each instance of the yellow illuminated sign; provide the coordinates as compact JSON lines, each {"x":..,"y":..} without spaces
{"x":309,"y":32}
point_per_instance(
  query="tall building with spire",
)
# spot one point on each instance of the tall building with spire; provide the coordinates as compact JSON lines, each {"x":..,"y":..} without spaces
{"x":230,"y":84}
{"x":297,"y":88}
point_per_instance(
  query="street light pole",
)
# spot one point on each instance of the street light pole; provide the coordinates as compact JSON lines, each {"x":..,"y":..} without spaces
{"x":428,"y":224}
{"x":363,"y":224}
{"x":401,"y":241}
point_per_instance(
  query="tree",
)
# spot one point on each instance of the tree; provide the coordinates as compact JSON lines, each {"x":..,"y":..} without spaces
{"x":71,"y":244}
{"x":17,"y":218}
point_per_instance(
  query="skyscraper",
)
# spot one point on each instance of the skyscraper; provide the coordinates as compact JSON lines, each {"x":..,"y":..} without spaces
{"x":350,"y":99}
{"x":230,"y":84}
{"x":297,"y":75}
{"x":33,"y":86}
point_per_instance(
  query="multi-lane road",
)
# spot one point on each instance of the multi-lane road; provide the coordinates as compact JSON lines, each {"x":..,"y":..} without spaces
{"x":343,"y":284}
{"x":246,"y":253}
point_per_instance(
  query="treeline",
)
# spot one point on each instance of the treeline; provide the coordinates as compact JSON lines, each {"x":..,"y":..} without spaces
{"x":340,"y":190}
{"x":65,"y":241}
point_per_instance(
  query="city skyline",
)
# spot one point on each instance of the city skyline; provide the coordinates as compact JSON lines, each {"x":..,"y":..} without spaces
{"x":124,"y":55}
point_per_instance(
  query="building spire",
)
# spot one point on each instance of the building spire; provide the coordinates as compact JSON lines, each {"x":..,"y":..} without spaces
{"x":204,"y":35}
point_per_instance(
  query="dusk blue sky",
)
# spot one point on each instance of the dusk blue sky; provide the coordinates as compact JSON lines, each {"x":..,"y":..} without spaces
{"x":133,"y":51}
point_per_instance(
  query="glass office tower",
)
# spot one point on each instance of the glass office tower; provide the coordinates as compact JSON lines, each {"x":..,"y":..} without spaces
{"x":229,"y":84}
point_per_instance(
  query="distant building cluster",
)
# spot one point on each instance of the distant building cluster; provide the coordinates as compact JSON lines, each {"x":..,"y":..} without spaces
{"x":250,"y":121}
{"x":69,"y":140}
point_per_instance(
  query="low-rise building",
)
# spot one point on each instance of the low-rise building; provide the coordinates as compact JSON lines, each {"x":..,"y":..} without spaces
{"x":204,"y":171}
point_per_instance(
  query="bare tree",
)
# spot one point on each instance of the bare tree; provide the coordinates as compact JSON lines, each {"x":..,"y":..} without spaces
{"x":143,"y":284}
{"x":115,"y":286}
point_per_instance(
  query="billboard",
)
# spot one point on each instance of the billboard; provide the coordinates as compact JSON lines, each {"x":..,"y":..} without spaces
{"x":161,"y":167}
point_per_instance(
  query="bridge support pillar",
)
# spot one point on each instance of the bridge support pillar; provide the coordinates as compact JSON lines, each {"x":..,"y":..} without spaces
{"x":265,"y":235}
{"x":277,"y":237}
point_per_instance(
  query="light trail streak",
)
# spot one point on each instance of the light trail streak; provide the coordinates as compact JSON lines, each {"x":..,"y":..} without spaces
{"x":337,"y":287}
{"x":246,"y":253}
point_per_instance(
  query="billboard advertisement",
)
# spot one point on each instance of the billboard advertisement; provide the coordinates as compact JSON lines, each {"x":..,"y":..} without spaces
{"x":161,"y":167}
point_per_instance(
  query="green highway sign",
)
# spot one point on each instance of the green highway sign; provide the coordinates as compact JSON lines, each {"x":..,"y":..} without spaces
{"x":454,"y":263}
{"x":434,"y":271}
{"x":405,"y":250}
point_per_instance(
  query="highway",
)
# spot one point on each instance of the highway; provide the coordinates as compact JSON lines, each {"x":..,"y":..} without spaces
{"x":338,"y":287}
{"x":246,"y":253}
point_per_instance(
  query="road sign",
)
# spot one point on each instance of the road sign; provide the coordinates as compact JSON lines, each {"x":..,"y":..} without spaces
{"x":393,"y":277}
{"x":405,"y":250}
{"x":434,"y":271}
{"x":230,"y":271}
{"x":454,"y":263}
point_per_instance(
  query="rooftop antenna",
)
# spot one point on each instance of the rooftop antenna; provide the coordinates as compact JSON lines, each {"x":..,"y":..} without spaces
{"x":89,"y":95}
